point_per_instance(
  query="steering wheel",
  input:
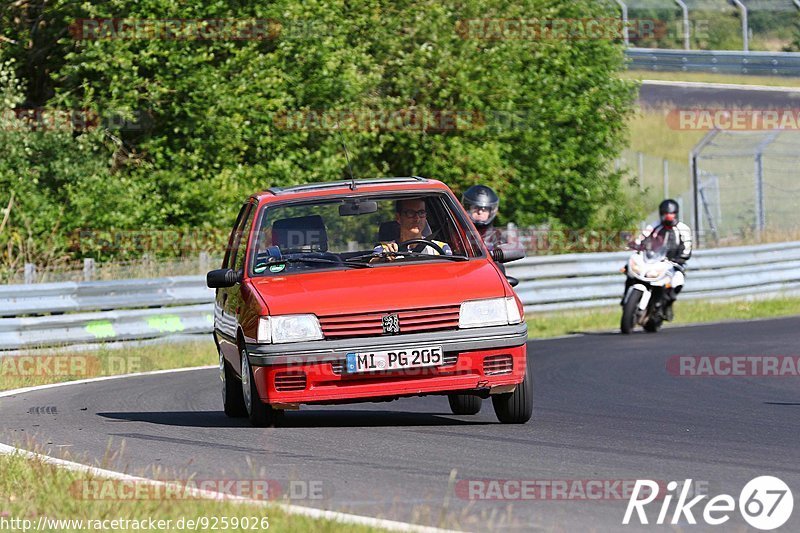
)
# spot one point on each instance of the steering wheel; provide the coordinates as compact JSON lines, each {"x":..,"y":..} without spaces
{"x":422,"y":241}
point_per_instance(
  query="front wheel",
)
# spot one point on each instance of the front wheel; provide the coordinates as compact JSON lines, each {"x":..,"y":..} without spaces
{"x":629,"y":311}
{"x":232,"y":397}
{"x":464,"y":404}
{"x":515,"y":407}
{"x":260,"y":414}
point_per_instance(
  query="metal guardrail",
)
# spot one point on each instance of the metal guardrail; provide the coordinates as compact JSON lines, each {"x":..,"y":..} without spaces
{"x":104,"y":326}
{"x":98,"y":311}
{"x":103,"y":311}
{"x":576,"y":281}
{"x":716,"y":61}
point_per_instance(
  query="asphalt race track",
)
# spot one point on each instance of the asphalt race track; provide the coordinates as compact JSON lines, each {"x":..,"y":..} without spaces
{"x":662,"y":95}
{"x":606,"y":408}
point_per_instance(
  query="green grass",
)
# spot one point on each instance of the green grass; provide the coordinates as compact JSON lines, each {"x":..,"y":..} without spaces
{"x":651,"y":134}
{"x":30,"y":489}
{"x":686,"y":312}
{"x":106,"y":362}
{"x":741,"y":79}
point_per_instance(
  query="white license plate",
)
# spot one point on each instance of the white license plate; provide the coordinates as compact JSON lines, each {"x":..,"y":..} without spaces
{"x":394,"y":359}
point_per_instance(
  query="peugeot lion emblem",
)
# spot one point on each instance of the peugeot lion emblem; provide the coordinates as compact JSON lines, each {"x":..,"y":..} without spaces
{"x":391,"y":324}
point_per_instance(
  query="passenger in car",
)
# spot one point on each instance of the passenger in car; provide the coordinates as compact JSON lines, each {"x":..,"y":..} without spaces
{"x":411,"y":217}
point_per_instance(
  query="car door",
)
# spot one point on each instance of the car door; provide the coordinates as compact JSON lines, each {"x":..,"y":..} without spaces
{"x":225,"y":323}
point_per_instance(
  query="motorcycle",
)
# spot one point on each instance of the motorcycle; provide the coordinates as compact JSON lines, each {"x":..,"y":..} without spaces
{"x":649,"y":276}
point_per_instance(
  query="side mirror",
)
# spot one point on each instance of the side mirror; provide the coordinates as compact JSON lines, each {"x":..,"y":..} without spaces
{"x":512,"y":281}
{"x":222,"y":278}
{"x":505,"y":253}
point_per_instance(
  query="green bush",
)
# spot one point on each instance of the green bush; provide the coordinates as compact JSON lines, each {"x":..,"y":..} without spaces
{"x":550,"y":113}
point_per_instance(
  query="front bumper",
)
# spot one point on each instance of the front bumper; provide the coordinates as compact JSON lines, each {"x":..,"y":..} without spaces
{"x":321,"y":364}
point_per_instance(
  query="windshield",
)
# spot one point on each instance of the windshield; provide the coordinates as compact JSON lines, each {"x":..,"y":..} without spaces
{"x":356,"y":232}
{"x":654,"y":249}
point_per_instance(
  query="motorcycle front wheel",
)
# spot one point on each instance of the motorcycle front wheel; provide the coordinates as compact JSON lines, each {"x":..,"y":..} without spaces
{"x":629,"y":311}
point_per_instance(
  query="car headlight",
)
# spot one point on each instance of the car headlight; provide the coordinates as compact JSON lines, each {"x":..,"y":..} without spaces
{"x":288,"y":328}
{"x":494,"y":312}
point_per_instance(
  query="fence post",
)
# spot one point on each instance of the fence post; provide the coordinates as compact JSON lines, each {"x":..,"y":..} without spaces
{"x":641,"y":170}
{"x":686,"y":31}
{"x":30,"y":273}
{"x":666,"y":178}
{"x":761,"y":215}
{"x":625,"y":37}
{"x":745,"y":25}
{"x":204,"y":262}
{"x":693,"y":155}
{"x":88,"y":269}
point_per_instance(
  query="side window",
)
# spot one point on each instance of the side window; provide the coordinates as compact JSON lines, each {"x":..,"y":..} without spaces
{"x":233,"y":240}
{"x":242,"y":246}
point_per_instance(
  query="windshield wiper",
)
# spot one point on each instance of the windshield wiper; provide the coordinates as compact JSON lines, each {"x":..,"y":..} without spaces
{"x":321,"y":260}
{"x":411,"y":254}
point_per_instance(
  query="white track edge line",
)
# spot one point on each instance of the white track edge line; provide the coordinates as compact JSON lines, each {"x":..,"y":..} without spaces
{"x":311,"y":512}
{"x":735,"y":86}
{"x":33,"y":388}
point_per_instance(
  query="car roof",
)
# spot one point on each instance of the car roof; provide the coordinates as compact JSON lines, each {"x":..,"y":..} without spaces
{"x":349,"y":187}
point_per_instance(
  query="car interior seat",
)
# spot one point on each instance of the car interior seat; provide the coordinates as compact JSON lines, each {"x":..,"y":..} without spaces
{"x":300,"y":234}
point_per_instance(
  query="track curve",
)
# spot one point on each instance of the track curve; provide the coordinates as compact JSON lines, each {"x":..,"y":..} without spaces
{"x":606,"y":408}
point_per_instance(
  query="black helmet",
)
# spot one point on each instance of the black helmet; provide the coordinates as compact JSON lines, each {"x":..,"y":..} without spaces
{"x":668,"y":211}
{"x":480,"y":198}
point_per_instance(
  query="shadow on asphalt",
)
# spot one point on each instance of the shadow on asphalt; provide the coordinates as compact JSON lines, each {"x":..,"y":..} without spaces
{"x":297,"y":419}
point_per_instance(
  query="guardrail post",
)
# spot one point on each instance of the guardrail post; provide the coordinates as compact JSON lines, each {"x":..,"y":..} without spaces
{"x":666,"y":178}
{"x":204,"y":262}
{"x":30,"y":273}
{"x":687,"y":45}
{"x":88,"y":269}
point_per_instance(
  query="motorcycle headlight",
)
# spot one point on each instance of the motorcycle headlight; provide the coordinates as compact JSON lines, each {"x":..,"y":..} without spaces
{"x":288,"y":328}
{"x":635,"y":267}
{"x":493,"y":312}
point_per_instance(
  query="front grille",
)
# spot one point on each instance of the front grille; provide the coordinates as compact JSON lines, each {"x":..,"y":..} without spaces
{"x":290,"y":381}
{"x":371,"y":324}
{"x":449,"y":359}
{"x":498,"y":364}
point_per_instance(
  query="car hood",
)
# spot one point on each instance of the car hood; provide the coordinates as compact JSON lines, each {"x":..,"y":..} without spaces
{"x":388,"y":287}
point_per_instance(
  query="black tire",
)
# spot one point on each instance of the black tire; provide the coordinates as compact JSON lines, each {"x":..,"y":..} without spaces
{"x":232,"y":397}
{"x":260,"y":414}
{"x":629,"y":310}
{"x":464,"y":404}
{"x":515,"y":407}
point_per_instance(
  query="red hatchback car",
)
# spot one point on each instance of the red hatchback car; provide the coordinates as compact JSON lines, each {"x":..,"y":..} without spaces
{"x":366,"y":290}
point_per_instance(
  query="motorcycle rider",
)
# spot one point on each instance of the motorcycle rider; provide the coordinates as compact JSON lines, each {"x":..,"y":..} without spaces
{"x":677,"y":237}
{"x":482,"y":204}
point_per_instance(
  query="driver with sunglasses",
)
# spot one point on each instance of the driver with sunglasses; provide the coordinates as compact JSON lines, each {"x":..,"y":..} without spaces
{"x":412,"y":218}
